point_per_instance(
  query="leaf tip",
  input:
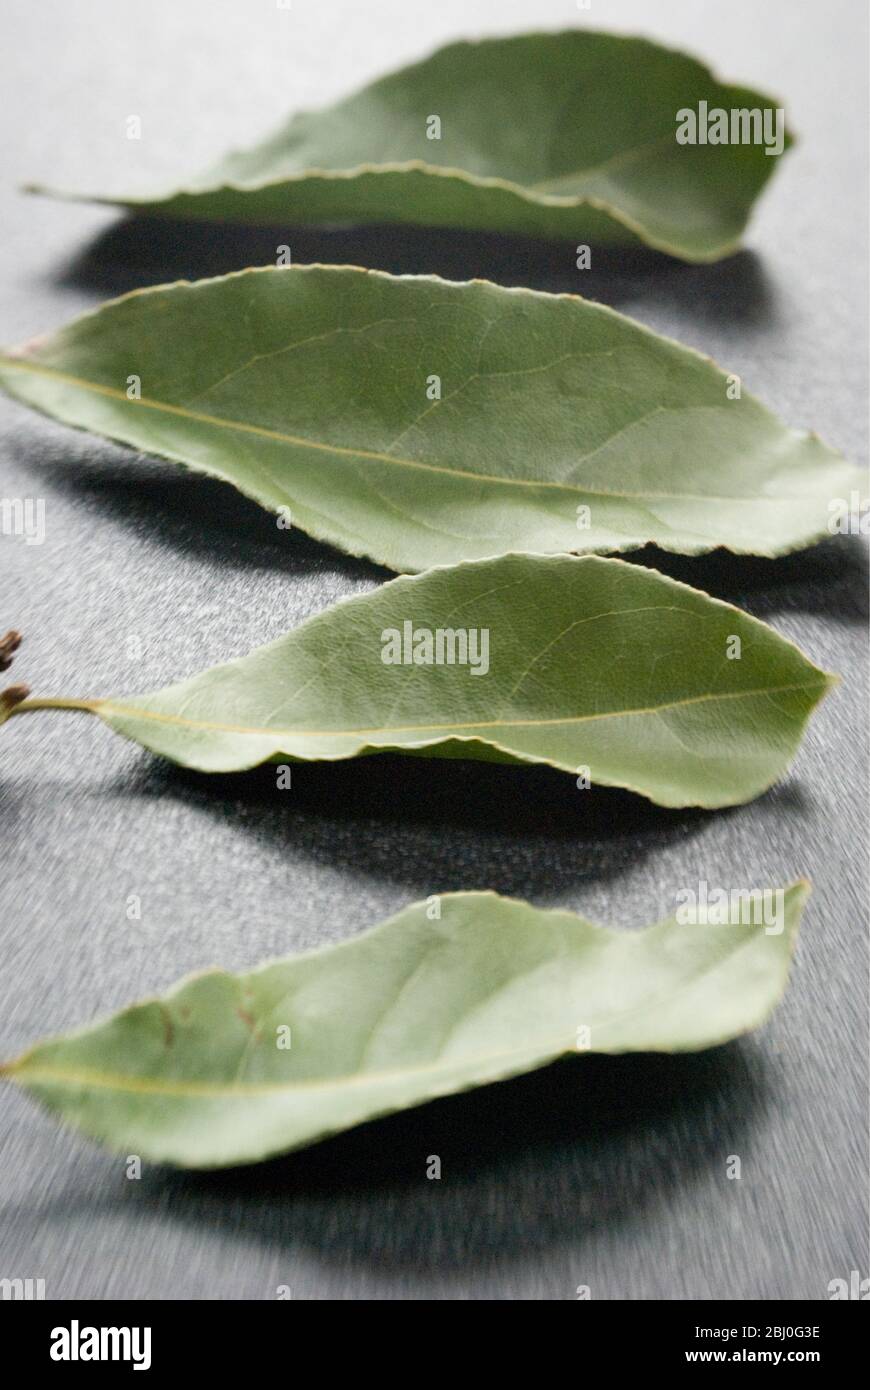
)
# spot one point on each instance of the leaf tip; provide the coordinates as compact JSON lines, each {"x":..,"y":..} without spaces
{"x":801,"y":885}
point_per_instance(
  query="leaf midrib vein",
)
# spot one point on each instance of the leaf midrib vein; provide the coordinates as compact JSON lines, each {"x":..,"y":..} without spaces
{"x":117,"y":1081}
{"x":617,"y":158}
{"x":341,"y":450}
{"x":108,"y":706}
{"x":137,"y":1085}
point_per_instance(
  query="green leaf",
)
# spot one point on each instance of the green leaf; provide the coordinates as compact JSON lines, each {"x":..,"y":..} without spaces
{"x":582,"y":663}
{"x":561,"y":426}
{"x":413,"y":1009}
{"x":571,"y":135}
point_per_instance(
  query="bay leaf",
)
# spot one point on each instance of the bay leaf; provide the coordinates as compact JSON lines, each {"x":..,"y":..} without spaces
{"x":604,"y":669}
{"x":420,"y":422}
{"x":229,"y":1069}
{"x":569,"y":135}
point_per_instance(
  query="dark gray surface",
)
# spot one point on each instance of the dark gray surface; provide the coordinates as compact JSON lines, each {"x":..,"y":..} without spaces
{"x":610,"y":1173}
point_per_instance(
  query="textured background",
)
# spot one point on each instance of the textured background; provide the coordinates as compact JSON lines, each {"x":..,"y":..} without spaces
{"x":609,"y":1173}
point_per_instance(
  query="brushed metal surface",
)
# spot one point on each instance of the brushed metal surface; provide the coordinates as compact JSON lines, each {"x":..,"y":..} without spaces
{"x":607,"y":1173}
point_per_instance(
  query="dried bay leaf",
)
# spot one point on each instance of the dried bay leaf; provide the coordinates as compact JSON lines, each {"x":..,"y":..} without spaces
{"x":420,"y":422}
{"x":576,"y":662}
{"x":570,"y":136}
{"x":229,"y":1069}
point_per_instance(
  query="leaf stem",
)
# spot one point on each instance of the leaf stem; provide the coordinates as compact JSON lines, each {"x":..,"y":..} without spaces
{"x":25,"y":706}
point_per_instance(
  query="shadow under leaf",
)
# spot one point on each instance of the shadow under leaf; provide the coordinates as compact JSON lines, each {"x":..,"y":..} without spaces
{"x":527,"y":1164}
{"x":140,"y":251}
{"x":522,"y":831}
{"x":206,"y":519}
